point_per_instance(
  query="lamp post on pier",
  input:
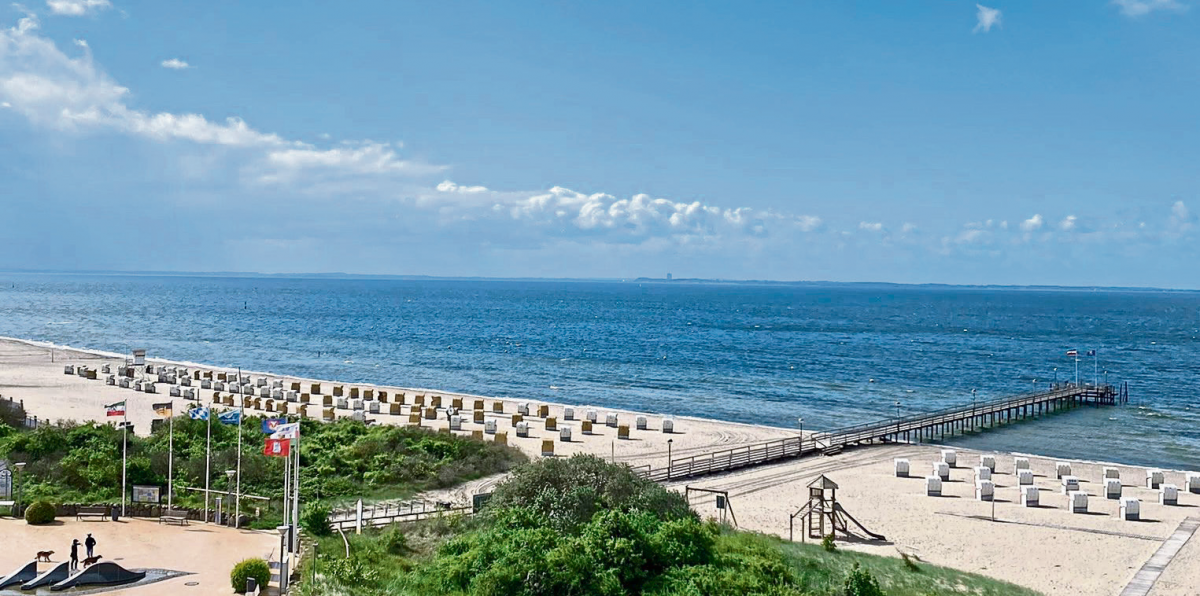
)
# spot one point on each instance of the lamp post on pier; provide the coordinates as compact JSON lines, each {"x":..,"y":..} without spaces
{"x":669,"y":441}
{"x":1055,"y":377}
{"x":973,"y":408}
{"x":897,"y":420}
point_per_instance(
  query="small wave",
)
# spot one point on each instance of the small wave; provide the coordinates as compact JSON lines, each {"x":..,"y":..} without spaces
{"x":60,"y":323}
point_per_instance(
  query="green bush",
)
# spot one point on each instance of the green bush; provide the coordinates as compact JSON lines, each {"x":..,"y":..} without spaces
{"x":861,"y":583}
{"x":39,"y":513}
{"x":828,"y":544}
{"x":256,"y":568}
{"x":314,"y":518}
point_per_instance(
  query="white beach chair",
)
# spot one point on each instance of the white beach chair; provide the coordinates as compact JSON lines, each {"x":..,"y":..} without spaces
{"x":640,"y":422}
{"x":68,"y":370}
{"x":264,"y":392}
{"x":1112,"y":488}
{"x":523,"y":408}
{"x":357,"y":404}
{"x":591,"y":416}
{"x":564,"y":434}
{"x":1168,"y":494}
{"x":185,"y":381}
{"x":901,"y":465}
{"x":933,"y":486}
{"x":985,"y":490}
{"x":1154,"y":478}
{"x":568,"y":413}
{"x":942,"y":470}
{"x":1078,"y":500}
{"x":1025,"y":477}
{"x":1070,"y":484}
{"x":1131,"y":509}
{"x":610,"y":419}
{"x":175,"y":392}
{"x":207,"y":384}
{"x":374,"y":409}
{"x":489,"y":426}
{"x":110,"y":380}
{"x":988,"y":461}
{"x":668,"y":425}
{"x":522,"y":429}
{"x":983,"y":473}
{"x":1020,"y":463}
{"x":949,"y":457}
{"x":106,"y":369}
{"x":456,"y":422}
{"x":1061,"y":469}
{"x":343,"y":403}
{"x":1030,"y":496}
{"x":1193,"y":482}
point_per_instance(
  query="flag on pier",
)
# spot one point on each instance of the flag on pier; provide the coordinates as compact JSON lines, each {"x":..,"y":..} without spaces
{"x":1072,"y":352}
{"x":270,"y":424}
{"x":117,"y":409}
{"x":1091,"y":352}
{"x":277,"y":448}
{"x":200,"y":413}
{"x":164,"y":409}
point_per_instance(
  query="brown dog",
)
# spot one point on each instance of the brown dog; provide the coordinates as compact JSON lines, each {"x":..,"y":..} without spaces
{"x":91,"y":560}
{"x":44,"y":555}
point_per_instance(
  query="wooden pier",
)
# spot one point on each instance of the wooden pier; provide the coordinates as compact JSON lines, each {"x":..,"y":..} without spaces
{"x":909,"y":429}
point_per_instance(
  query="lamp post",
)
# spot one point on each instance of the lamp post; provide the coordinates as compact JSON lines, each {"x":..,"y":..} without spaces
{"x":283,"y":567}
{"x":800,"y":421}
{"x":669,"y":441}
{"x":229,"y":488}
{"x":1056,"y":376}
{"x":897,"y":420}
{"x":973,"y":408}
{"x":20,"y":480}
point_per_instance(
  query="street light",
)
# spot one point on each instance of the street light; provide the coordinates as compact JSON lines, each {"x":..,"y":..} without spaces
{"x":283,"y":570}
{"x":897,"y":420}
{"x":800,"y":421}
{"x":1056,"y":376}
{"x":229,"y":488}
{"x":669,"y":441}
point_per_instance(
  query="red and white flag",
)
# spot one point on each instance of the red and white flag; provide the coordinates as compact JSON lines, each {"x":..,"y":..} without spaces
{"x":1072,"y":352}
{"x":277,"y":448}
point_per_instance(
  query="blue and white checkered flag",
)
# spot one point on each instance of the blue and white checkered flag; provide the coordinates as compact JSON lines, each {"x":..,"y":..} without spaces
{"x":199,"y":414}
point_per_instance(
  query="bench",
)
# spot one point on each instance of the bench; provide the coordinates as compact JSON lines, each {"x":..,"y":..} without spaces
{"x":100,"y":512}
{"x":173,"y":516}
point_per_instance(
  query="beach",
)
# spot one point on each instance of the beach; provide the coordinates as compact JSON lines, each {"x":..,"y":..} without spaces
{"x":1048,"y":548}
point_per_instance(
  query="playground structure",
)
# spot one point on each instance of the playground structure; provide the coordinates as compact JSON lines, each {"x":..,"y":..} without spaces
{"x":822,"y":511}
{"x":60,"y":576}
{"x":723,"y":504}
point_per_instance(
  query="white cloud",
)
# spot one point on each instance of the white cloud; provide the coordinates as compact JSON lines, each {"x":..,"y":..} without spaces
{"x":1033,"y":224}
{"x":1180,"y":211}
{"x":77,"y":8}
{"x":1137,"y":8}
{"x":175,"y":64}
{"x":1068,"y":223}
{"x":368,"y":158}
{"x":82,"y":43}
{"x":448,"y":186}
{"x":5,"y":104}
{"x":986,"y":18}
{"x":870,"y":226}
{"x":908,"y":228}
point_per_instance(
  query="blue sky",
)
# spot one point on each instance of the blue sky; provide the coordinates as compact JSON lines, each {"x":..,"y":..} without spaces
{"x":1011,"y":142}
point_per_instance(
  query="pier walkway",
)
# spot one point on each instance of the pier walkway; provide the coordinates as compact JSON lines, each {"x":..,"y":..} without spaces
{"x":912,"y":428}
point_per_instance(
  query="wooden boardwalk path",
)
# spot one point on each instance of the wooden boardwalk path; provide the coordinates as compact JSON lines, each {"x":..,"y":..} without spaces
{"x":1143,"y":580}
{"x":912,"y":428}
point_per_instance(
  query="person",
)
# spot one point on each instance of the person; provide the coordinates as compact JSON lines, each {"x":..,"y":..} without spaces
{"x":90,"y":543}
{"x":75,"y":553}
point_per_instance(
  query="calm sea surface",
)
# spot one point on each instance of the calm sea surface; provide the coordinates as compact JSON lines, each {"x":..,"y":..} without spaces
{"x":747,"y":353}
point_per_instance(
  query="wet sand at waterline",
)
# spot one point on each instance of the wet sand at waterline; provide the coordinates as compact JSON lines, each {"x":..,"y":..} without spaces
{"x":1048,"y":549}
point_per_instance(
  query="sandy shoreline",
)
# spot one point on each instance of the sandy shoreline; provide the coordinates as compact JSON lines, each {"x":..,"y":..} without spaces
{"x":1048,"y":548}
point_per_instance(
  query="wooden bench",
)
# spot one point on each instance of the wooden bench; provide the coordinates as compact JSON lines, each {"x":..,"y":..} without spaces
{"x":174,"y":516}
{"x":100,"y":512}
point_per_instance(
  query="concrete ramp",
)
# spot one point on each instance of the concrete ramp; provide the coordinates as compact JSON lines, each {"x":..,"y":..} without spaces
{"x":25,"y":573}
{"x":56,"y":573}
{"x":105,"y":573}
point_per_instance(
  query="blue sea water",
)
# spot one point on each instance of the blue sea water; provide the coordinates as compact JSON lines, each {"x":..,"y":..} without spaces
{"x":764,"y":354}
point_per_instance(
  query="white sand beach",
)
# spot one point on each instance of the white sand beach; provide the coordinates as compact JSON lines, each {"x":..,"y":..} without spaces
{"x":1047,"y":548}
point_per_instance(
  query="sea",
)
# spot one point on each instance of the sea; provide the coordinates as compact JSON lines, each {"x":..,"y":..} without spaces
{"x":831,"y":355}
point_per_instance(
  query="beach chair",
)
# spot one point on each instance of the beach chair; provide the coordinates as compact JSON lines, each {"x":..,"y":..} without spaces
{"x":522,"y":429}
{"x":414,"y":419}
{"x":327,"y":414}
{"x":523,"y":408}
{"x":295,"y":385}
{"x":110,"y":380}
{"x":1168,"y":494}
{"x":591,"y":416}
{"x":497,"y":407}
{"x":354,"y":392}
{"x":1078,"y":500}
{"x":456,"y":403}
{"x":933,"y":486}
{"x":1025,"y":477}
{"x":1061,"y":469}
{"x":270,"y":405}
{"x":568,"y":413}
{"x":305,"y":398}
{"x":668,"y":425}
{"x":1192,"y":483}
{"x":1131,"y":509}
{"x":489,"y":427}
{"x":983,"y":473}
{"x":1070,"y":484}
{"x":264,"y":392}
{"x":419,"y":400}
{"x":586,"y":427}
{"x":500,"y":438}
{"x":315,"y":389}
{"x":174,"y":392}
{"x":564,"y":434}
{"x":395,"y":409}
{"x":477,"y":435}
{"x":543,"y":411}
{"x":456,"y":422}
{"x":368,"y":394}
{"x":949,"y":457}
{"x":478,"y":405}
{"x":610,"y":420}
{"x":343,"y":403}
{"x":339,"y":391}
{"x":383,"y":396}
{"x":1114,"y":473}
{"x":1154,"y":479}
{"x":477,"y":417}
{"x":1020,"y":463}
{"x":68,"y":370}
{"x":640,"y":422}
{"x":357,"y":404}
{"x":435,"y":401}
{"x":552,"y":424}
{"x":1029,"y":496}
{"x":900,"y":464}
{"x":516,"y":419}
{"x":985,"y":490}
{"x":547,"y":448}
{"x":623,"y":431}
{"x":431,"y":413}
{"x":1112,"y":488}
{"x":374,"y":407}
{"x":327,"y":401}
{"x":942,"y":470}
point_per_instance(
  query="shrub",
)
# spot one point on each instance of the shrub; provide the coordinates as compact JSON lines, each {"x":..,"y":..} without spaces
{"x":315,"y":519}
{"x":861,"y":583}
{"x":256,"y":568}
{"x":828,"y":544}
{"x":39,"y":513}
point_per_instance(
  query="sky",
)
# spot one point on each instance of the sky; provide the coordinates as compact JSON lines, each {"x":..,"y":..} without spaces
{"x":1017,"y":142}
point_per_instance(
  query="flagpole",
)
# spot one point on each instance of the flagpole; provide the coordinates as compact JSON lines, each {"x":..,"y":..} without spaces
{"x":171,"y":459}
{"x":124,"y":451}
{"x":296,"y":496}
{"x":1095,"y":368}
{"x":287,"y":476}
{"x":1076,"y":369}
{"x":207,"y":460}
{"x":237,"y":514}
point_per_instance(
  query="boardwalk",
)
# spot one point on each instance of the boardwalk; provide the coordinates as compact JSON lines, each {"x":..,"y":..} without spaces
{"x":1144,"y":579}
{"x":913,"y":428}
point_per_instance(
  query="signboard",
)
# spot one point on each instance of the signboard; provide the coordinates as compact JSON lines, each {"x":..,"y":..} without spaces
{"x":720,"y":501}
{"x":147,"y":494}
{"x":479,"y":500}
